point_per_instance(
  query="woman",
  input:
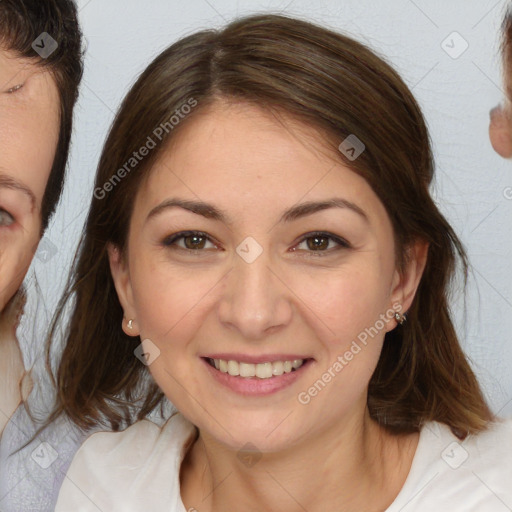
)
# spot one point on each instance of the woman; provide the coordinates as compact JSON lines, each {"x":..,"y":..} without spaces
{"x":500,"y":127}
{"x":38,"y":89}
{"x":262,"y":250}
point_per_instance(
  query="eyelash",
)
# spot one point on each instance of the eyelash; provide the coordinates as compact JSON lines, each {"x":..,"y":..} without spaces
{"x":15,"y":88}
{"x":342,"y":244}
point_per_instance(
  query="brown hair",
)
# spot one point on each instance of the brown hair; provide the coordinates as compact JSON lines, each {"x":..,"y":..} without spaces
{"x":338,"y":87}
{"x":21,"y":22}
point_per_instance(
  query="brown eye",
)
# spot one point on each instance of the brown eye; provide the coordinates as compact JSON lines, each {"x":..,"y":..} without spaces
{"x":322,"y":243}
{"x":318,"y":242}
{"x":192,"y":241}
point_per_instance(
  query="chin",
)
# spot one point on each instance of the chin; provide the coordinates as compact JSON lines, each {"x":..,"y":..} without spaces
{"x":256,"y":431}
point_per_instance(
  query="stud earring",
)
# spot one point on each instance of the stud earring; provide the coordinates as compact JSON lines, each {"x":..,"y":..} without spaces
{"x":400,"y":318}
{"x":130,"y":324}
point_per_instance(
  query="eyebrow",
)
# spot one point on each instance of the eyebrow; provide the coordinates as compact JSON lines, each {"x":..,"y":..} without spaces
{"x":295,"y":212}
{"x":10,"y":183}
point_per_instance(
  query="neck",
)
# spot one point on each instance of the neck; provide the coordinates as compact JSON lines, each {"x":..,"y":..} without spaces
{"x":12,"y":369}
{"x":353,"y":466}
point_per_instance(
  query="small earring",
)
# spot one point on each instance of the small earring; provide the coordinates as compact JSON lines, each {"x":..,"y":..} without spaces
{"x":130,"y":324}
{"x":400,"y":318}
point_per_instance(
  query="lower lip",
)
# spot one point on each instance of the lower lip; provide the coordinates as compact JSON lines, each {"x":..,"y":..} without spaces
{"x":254,"y":386}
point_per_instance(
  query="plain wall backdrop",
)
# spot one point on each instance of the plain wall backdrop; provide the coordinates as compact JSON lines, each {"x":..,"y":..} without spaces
{"x":448,"y":53}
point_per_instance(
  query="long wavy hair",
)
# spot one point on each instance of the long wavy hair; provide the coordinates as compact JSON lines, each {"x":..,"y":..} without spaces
{"x":336,"y":86}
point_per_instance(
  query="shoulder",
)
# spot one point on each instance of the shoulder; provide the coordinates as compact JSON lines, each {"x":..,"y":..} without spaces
{"x":467,"y":475}
{"x":488,"y":451}
{"x":496,"y":440}
{"x":128,"y":470}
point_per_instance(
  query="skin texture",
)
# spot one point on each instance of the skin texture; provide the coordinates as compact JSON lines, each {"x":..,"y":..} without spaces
{"x":500,"y":129}
{"x":500,"y":126}
{"x":287,"y":301}
{"x":29,"y":123}
{"x":15,"y":383}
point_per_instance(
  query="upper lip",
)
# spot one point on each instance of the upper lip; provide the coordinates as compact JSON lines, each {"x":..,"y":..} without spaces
{"x":245,"y":358}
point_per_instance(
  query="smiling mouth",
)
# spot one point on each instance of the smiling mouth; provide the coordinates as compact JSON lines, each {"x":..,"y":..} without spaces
{"x":261,"y":370}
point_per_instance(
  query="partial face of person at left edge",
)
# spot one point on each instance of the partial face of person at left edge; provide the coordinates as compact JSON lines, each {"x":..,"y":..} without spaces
{"x":500,"y":129}
{"x":29,"y":126}
{"x":500,"y":126}
{"x":299,"y":290}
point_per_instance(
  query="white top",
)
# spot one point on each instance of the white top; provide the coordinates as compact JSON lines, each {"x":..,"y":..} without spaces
{"x":138,"y":470}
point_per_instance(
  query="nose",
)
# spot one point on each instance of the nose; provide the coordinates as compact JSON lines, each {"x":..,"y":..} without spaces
{"x":255,"y":300}
{"x":500,"y":132}
{"x":495,"y":111}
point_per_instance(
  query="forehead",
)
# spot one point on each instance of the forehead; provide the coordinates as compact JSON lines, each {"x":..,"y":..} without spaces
{"x":244,"y":158}
{"x":256,"y":126}
{"x":29,"y":121}
{"x":242,"y":142}
{"x":13,"y":69}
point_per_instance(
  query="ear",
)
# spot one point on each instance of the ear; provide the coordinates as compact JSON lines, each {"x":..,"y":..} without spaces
{"x":122,"y":282}
{"x":500,"y":132}
{"x":407,"y":280}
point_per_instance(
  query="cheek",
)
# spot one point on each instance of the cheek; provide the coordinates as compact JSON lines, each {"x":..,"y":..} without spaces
{"x":358,"y":313}
{"x":334,"y":314}
{"x":171,"y":307}
{"x":16,"y":252}
{"x":176,"y":306}
{"x":344,"y":301}
{"x":169,"y":300}
{"x":352,"y":314}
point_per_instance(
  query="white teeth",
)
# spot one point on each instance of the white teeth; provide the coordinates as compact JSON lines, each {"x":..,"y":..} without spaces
{"x":260,"y":370}
{"x":278,"y":368}
{"x":247,"y":370}
{"x":233,"y":368}
{"x":264,"y":371}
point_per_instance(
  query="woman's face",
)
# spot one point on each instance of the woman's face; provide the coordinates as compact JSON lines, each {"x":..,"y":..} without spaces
{"x":255,"y":285}
{"x":29,"y":125}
